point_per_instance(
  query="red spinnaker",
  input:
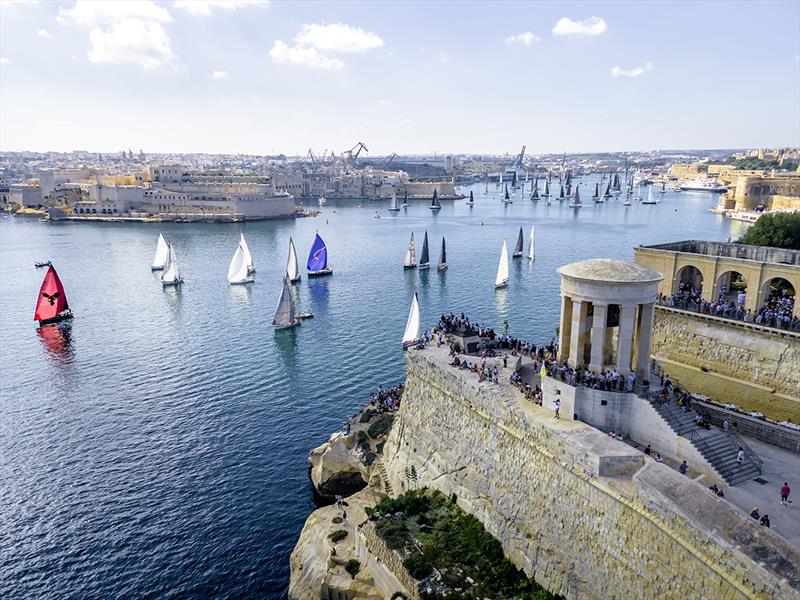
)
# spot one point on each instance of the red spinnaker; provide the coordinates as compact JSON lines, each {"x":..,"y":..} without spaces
{"x":52,"y":300}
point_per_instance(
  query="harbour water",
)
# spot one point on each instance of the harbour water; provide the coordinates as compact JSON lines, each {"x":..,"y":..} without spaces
{"x":157,"y":445}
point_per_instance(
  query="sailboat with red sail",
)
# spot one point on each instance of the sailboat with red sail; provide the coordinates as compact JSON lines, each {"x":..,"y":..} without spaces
{"x":52,"y":305}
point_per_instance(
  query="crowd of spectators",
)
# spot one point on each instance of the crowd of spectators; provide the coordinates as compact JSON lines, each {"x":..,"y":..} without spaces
{"x":387,"y":399}
{"x":775,"y":312}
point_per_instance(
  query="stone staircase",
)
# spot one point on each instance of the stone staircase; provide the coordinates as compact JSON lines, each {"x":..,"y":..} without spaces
{"x":718,"y":448}
{"x":379,"y":473}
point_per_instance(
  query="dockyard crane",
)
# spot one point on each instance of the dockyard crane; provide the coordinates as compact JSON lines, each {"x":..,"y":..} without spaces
{"x":311,"y":156}
{"x":520,"y":157}
{"x":387,"y":161}
{"x":351,"y":155}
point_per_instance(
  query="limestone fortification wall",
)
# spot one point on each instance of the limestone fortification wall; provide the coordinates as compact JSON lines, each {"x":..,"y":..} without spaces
{"x":587,"y":516}
{"x":755,"y":367}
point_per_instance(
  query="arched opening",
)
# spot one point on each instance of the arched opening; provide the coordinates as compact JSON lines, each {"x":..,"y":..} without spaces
{"x":688,"y":287}
{"x":94,"y":211}
{"x":731,"y":291}
{"x":103,"y":211}
{"x":777,"y":303}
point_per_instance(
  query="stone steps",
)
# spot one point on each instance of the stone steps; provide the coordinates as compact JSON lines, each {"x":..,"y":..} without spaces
{"x":379,"y":470}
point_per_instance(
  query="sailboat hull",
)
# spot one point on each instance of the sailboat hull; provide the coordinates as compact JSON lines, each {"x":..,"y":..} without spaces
{"x":291,"y":325}
{"x":322,"y":273}
{"x":63,"y":316}
{"x":442,"y":267}
{"x":296,"y":279}
{"x":516,"y":255}
{"x":498,"y":286}
{"x":424,"y":266}
{"x":175,"y":283}
{"x":435,"y":207}
{"x":243,"y":281}
{"x":155,"y":268}
{"x":251,"y":270}
{"x":394,"y":210}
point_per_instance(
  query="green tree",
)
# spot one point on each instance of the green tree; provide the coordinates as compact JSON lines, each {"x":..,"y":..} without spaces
{"x":779,"y":230}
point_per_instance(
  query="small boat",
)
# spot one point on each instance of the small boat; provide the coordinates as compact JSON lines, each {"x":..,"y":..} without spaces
{"x":292,"y":268}
{"x":317,"y":265}
{"x":51,"y":304}
{"x":405,"y":200}
{"x":322,"y":200}
{"x":507,"y":199}
{"x":410,"y":261}
{"x":442,"y":258}
{"x":376,"y":215}
{"x":649,"y":199}
{"x":172,"y":273}
{"x":238,"y":272}
{"x":248,"y":258}
{"x":411,"y":333}
{"x":435,"y":201}
{"x":627,"y":201}
{"x":518,"y":251}
{"x":162,"y":255}
{"x":42,"y":263}
{"x":531,"y":245}
{"x":471,"y":201}
{"x":393,"y":208}
{"x":424,"y":258}
{"x":306,"y":314}
{"x":576,"y":200}
{"x":285,"y":316}
{"x":501,"y":280}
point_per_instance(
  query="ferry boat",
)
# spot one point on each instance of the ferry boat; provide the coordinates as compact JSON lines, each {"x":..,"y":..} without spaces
{"x":702,"y":185}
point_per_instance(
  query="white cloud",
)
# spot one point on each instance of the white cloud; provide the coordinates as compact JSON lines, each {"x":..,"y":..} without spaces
{"x":4,"y":60}
{"x":590,"y":26}
{"x":131,"y":42}
{"x":44,"y":34}
{"x":338,"y":37}
{"x":124,"y":31}
{"x":219,"y":74}
{"x":205,"y":8}
{"x":307,"y":57}
{"x":385,"y":102}
{"x":526,"y":39}
{"x":617,"y":71}
{"x":442,"y":57}
{"x":99,"y":12}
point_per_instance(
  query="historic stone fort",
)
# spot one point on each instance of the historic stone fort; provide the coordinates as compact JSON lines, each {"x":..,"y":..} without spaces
{"x":587,"y":514}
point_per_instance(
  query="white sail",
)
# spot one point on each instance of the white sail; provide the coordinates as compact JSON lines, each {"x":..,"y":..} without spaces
{"x":162,"y":254}
{"x":393,"y":204}
{"x":502,"y":269}
{"x":248,"y":259}
{"x":411,"y":255}
{"x":172,"y":272}
{"x":411,"y":333}
{"x":285,"y":313}
{"x":532,"y":247}
{"x":292,"y":270}
{"x":238,"y":271}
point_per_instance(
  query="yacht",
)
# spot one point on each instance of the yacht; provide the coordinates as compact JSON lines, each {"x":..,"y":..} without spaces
{"x":702,"y":185}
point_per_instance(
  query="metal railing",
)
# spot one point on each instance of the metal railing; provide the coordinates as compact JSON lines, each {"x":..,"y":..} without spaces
{"x":717,"y":461}
{"x":748,"y":451}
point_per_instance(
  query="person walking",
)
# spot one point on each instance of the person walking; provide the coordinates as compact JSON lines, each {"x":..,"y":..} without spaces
{"x":785,"y":491}
{"x":558,"y":408}
{"x":683,"y":468}
{"x":726,"y":427}
{"x":740,"y":457}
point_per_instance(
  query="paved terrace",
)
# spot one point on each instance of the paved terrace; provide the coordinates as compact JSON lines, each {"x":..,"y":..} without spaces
{"x":763,"y":492}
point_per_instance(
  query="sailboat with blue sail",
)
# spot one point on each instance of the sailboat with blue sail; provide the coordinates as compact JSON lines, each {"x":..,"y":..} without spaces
{"x":317,"y":265}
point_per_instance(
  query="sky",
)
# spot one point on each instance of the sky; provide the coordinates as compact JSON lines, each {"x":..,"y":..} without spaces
{"x":265,"y":77}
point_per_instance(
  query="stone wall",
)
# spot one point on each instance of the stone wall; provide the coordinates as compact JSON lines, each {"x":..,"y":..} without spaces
{"x":756,"y":368}
{"x":586,"y":516}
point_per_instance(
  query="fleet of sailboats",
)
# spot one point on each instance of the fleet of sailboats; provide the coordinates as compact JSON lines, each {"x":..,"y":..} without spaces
{"x":501,"y":280}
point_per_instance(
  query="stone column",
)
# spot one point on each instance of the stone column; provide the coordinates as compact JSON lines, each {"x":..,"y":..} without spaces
{"x":580,"y":308}
{"x":645,"y":340}
{"x":564,"y":328}
{"x":627,"y":323}
{"x":598,"y":336}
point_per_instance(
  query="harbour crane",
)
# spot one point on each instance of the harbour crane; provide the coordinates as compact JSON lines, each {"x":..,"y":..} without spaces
{"x":311,"y":156}
{"x":387,"y":161}
{"x":520,"y":157}
{"x":351,"y":155}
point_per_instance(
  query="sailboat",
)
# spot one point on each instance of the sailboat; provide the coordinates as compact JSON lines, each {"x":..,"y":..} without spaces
{"x":411,"y":333}
{"x":317,"y":264}
{"x":546,"y":188}
{"x":531,"y":245}
{"x":616,"y":187}
{"x":292,"y":268}
{"x":393,"y":208}
{"x":486,"y":191}
{"x":172,"y":274}
{"x":561,"y":193}
{"x":501,"y":280}
{"x":650,"y":199}
{"x":607,"y":193}
{"x":424,"y":258}
{"x":518,"y":251}
{"x":248,"y":258}
{"x":535,"y":193}
{"x":285,"y":316}
{"x":638,"y":197}
{"x":442,"y":258}
{"x":162,"y":255}
{"x":238,"y":271}
{"x":627,"y":201}
{"x":435,"y":201}
{"x":405,"y":200}
{"x":471,"y":201}
{"x":507,"y":199}
{"x":663,"y":189}
{"x":51,"y":304}
{"x":322,"y":201}
{"x":596,"y":194}
{"x":576,"y":200}
{"x":411,"y":257}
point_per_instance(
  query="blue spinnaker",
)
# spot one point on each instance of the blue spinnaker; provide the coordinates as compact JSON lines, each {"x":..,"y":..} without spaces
{"x":318,"y":257}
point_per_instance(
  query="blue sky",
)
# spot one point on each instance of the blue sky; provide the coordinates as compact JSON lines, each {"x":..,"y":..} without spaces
{"x":262,"y":77}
